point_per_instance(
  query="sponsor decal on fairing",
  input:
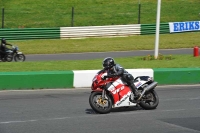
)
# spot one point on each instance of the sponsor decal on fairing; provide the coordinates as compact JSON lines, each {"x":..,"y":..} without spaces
{"x":138,"y":84}
{"x":117,"y":84}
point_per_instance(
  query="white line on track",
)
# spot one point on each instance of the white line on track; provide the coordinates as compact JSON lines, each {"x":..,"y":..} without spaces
{"x":95,"y":115}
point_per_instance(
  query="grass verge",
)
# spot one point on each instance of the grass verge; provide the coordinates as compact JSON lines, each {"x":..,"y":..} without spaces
{"x":141,"y":42}
{"x":58,"y":13}
{"x":177,"y":61}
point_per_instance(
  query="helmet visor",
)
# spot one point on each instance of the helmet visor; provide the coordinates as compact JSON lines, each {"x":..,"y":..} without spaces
{"x":105,"y":65}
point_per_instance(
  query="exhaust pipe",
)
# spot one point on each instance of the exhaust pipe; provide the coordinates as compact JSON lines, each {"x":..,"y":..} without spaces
{"x":148,"y":88}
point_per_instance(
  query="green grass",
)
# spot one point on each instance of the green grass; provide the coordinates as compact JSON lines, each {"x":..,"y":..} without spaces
{"x":57,"y":13}
{"x":52,"y":13}
{"x":179,"y":61}
{"x":144,"y":42}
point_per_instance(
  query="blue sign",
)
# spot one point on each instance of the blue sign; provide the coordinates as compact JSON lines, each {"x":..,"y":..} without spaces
{"x":184,"y":26}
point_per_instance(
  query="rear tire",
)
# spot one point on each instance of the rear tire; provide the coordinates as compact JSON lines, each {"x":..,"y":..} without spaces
{"x":150,"y":100}
{"x":9,"y":58}
{"x":98,"y":104}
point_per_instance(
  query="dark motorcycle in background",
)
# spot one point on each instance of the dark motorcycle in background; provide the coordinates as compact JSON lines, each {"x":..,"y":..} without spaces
{"x":13,"y":53}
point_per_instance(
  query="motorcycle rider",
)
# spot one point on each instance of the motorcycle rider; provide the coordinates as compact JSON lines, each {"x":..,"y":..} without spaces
{"x":116,"y":70}
{"x":3,"y":47}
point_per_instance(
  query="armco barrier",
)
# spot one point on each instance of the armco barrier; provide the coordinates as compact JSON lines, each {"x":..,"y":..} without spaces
{"x":172,"y":76}
{"x":30,"y":33}
{"x":83,"y":31}
{"x":36,"y":80}
{"x":147,"y":29}
{"x":99,"y":31}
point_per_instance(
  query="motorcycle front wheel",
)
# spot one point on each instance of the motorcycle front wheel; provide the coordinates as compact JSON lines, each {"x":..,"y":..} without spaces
{"x":150,"y":100}
{"x":100,"y":105}
{"x":19,"y":57}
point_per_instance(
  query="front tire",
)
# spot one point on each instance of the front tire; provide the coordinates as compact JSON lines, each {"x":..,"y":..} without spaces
{"x":150,"y":100}
{"x":98,"y":104}
{"x":19,"y":57}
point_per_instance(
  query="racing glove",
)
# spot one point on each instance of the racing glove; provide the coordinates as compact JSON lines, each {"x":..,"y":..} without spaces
{"x":104,"y":76}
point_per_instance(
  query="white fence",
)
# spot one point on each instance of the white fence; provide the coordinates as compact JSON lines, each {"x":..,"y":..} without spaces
{"x":100,"y":31}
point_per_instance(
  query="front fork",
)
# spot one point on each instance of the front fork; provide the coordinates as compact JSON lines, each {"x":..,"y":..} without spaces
{"x":104,"y":97}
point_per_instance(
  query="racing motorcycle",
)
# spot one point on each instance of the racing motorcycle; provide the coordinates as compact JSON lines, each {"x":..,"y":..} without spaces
{"x":13,"y":54}
{"x":114,"y":93}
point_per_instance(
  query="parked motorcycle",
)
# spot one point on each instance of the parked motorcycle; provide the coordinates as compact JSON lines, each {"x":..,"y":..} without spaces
{"x":114,"y":93}
{"x":13,"y":54}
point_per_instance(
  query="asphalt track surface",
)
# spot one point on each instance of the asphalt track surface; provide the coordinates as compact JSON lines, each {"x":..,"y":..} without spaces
{"x":102,"y":55}
{"x":68,"y":111}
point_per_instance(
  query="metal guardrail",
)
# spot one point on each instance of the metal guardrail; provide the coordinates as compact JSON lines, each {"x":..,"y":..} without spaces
{"x":30,"y":33}
{"x":147,"y":29}
{"x":99,"y":31}
{"x":82,"y":32}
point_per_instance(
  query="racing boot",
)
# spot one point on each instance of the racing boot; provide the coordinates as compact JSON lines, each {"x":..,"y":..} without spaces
{"x":135,"y":94}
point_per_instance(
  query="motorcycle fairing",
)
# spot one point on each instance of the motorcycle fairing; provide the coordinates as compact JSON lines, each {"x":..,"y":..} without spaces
{"x":120,"y":93}
{"x":141,"y":80}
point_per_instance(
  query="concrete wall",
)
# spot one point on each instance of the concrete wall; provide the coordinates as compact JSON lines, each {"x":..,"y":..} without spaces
{"x":83,"y":78}
{"x":36,"y":80}
{"x":177,"y":75}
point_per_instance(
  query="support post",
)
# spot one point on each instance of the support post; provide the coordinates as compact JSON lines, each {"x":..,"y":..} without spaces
{"x":139,"y":9}
{"x":72,"y":22}
{"x":157,"y":29}
{"x":2,"y":18}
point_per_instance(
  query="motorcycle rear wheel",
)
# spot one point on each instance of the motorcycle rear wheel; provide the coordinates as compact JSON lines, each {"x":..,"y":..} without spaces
{"x":150,"y":100}
{"x":19,"y":57}
{"x":98,"y":104}
{"x":9,"y":58}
